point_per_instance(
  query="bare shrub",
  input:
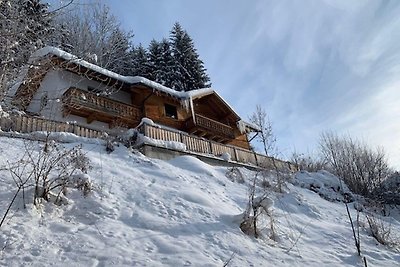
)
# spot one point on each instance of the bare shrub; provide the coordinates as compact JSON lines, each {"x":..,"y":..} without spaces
{"x":389,"y":192}
{"x":110,"y":142}
{"x":235,"y":175}
{"x":381,"y":230}
{"x":51,"y":169}
{"x":308,"y":163}
{"x":274,"y":180}
{"x":258,"y":207}
{"x":361,"y":168}
{"x":21,"y":184}
{"x":47,"y":173}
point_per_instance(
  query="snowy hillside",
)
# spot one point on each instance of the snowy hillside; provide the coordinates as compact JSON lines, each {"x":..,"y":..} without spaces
{"x":147,"y":212}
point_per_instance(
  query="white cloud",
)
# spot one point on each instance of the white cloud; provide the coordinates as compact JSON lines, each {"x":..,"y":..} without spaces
{"x":314,"y":65}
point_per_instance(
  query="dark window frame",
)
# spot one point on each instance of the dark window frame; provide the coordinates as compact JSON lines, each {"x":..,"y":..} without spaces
{"x":171,"y":111}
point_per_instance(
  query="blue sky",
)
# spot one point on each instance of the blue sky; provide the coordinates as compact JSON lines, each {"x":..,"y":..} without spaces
{"x":313,"y":65}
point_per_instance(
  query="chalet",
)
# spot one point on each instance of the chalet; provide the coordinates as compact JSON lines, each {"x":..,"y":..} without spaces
{"x":61,"y":87}
{"x":59,"y":92}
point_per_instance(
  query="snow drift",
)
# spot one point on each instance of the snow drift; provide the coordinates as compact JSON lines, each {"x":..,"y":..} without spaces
{"x":146,"y":212}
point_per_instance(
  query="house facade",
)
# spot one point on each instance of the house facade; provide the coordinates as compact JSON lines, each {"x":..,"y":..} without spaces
{"x":64,"y":88}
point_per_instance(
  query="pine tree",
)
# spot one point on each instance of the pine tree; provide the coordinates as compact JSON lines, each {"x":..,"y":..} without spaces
{"x":167,"y":64}
{"x":138,"y":62}
{"x":161,"y":62}
{"x":189,"y":72}
{"x":155,"y":61}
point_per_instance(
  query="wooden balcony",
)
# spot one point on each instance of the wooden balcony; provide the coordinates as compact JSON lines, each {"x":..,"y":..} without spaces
{"x":210,"y":129}
{"x":94,"y":107}
{"x":195,"y":145}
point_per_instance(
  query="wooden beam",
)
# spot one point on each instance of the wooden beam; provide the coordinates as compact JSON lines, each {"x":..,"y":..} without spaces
{"x":193,"y":131}
{"x":219,"y":139}
{"x":214,"y":138}
{"x":202,"y":134}
{"x":91,"y":118}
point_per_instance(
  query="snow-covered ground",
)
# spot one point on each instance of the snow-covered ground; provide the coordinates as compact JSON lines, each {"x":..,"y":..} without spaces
{"x":147,"y":212}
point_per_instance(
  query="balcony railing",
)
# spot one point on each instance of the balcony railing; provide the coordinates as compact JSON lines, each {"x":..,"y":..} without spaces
{"x":85,"y":103}
{"x":195,"y":144}
{"x":212,"y":127}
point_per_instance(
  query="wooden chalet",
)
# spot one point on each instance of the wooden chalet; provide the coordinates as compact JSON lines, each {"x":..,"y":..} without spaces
{"x":64,"y":88}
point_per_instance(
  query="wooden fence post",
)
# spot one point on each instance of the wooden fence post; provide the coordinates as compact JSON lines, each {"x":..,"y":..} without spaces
{"x":18,"y":124}
{"x":236,"y":154}
{"x":28,"y":124}
{"x":211,"y":147}
{"x":255,"y":157}
{"x":181,"y":137}
{"x":75,"y":130}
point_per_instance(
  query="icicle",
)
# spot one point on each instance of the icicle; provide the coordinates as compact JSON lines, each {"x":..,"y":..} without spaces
{"x":242,"y":126}
{"x":185,"y":103}
{"x":192,"y":108}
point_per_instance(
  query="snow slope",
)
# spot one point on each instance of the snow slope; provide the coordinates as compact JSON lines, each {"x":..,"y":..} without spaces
{"x":147,"y":212}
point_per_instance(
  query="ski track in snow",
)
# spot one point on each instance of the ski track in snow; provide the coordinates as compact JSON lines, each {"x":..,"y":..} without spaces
{"x":147,"y":212}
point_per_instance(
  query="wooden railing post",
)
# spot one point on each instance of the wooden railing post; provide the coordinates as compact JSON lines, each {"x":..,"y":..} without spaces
{"x":236,"y":154}
{"x":75,"y":131}
{"x":181,"y":137}
{"x":255,"y":157}
{"x":18,"y":124}
{"x":146,"y":130}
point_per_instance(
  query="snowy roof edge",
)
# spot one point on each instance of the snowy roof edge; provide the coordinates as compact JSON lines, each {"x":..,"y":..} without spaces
{"x":126,"y":79}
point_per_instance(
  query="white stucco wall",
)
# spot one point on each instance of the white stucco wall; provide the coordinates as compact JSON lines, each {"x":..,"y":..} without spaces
{"x":55,"y":83}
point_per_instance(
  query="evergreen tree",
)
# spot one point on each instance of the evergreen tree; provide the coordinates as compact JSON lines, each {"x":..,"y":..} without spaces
{"x":189,"y":72}
{"x":155,"y":61}
{"x":161,"y":62}
{"x":138,"y":62}
{"x":167,"y":64}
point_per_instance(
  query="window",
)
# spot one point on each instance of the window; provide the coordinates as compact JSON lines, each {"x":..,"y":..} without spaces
{"x":170,"y":111}
{"x":44,"y":100}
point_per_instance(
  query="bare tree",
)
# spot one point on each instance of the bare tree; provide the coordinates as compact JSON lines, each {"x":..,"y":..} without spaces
{"x":361,"y":168}
{"x":94,"y":34}
{"x":266,"y":136}
{"x":25,"y":26}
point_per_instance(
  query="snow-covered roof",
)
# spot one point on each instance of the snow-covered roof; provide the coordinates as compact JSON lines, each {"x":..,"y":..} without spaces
{"x":182,"y":95}
{"x":49,"y":50}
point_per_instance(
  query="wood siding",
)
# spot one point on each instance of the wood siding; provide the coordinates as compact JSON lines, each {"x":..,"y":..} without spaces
{"x":240,"y":141}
